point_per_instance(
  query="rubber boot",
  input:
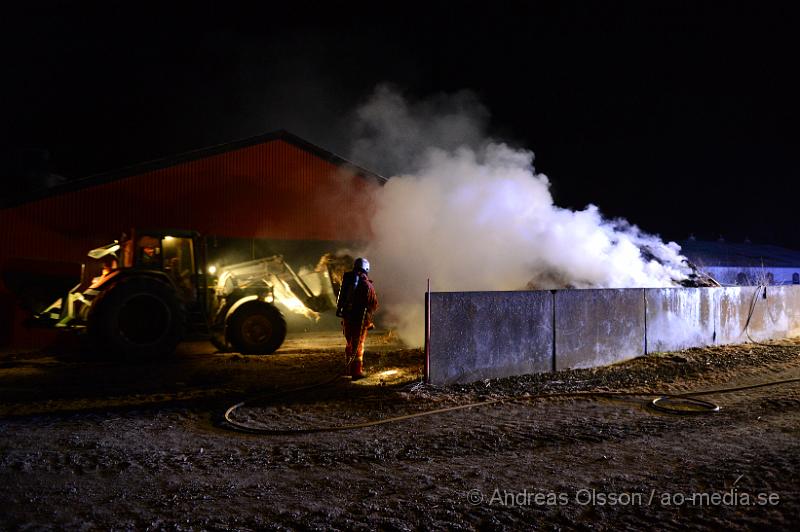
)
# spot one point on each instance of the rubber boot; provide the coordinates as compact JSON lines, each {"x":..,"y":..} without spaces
{"x":357,"y":370}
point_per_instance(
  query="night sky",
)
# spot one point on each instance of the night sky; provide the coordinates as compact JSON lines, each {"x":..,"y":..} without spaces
{"x":680,"y":116}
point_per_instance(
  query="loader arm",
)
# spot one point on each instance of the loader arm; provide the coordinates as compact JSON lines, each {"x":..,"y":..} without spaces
{"x":250,"y":273}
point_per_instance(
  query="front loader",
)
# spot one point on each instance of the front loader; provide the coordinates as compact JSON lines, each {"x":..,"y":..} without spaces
{"x":156,"y":289}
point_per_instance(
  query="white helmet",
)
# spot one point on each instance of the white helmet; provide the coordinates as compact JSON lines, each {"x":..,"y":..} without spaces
{"x":361,"y":264}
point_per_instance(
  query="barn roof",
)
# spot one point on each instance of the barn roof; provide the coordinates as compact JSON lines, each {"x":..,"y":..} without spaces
{"x":719,"y":253}
{"x":173,"y":160}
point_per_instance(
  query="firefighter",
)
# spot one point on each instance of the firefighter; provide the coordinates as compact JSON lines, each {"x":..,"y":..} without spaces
{"x":357,"y":302}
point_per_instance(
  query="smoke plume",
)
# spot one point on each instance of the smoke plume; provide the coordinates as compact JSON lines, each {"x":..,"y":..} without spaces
{"x":393,"y":135}
{"x":471,"y":213}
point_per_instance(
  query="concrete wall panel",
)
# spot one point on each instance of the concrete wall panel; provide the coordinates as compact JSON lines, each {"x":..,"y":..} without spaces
{"x":678,"y":318}
{"x":774,"y":311}
{"x":733,"y":305}
{"x":793,"y":300}
{"x":598,"y":327}
{"x":483,"y":335}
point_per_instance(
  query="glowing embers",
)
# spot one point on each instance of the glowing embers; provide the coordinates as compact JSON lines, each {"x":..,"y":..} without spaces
{"x":389,"y":376}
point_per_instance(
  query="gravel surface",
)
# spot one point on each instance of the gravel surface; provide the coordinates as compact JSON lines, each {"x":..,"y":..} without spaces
{"x":91,"y":444}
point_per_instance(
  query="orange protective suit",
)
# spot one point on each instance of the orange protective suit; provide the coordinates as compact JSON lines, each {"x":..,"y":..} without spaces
{"x":357,"y":320}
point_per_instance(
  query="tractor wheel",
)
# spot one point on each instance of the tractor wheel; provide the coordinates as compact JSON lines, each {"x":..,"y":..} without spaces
{"x":137,"y":317}
{"x":256,"y":328}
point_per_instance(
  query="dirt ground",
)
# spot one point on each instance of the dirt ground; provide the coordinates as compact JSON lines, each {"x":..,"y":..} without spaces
{"x":90,"y":444}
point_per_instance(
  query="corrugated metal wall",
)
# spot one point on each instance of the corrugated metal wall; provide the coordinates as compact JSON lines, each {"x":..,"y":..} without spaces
{"x":271,"y":190}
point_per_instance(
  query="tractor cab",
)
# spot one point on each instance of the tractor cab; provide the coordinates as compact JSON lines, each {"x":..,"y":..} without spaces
{"x":175,"y":254}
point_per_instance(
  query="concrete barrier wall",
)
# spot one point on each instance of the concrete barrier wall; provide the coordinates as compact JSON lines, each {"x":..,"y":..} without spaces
{"x":484,"y":335}
{"x":678,"y":318}
{"x":480,"y":335}
{"x":598,"y":327}
{"x":733,"y":305}
{"x":793,"y":310}
{"x":776,"y":313}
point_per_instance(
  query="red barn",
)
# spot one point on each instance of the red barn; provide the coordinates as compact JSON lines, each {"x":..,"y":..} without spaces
{"x":274,"y":186}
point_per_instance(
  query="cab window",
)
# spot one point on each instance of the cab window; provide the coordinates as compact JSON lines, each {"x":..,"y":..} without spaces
{"x":179,"y":263}
{"x":148,"y":251}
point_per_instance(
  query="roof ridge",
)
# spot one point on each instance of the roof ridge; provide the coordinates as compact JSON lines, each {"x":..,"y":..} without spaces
{"x":185,"y":157}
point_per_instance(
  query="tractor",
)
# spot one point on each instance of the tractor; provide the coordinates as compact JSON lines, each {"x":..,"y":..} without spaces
{"x":155,"y":289}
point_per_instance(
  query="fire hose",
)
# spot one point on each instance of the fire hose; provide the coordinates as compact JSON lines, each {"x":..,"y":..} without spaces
{"x":662,"y":402}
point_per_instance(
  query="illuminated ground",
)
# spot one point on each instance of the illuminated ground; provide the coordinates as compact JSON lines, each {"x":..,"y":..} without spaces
{"x":88,"y":444}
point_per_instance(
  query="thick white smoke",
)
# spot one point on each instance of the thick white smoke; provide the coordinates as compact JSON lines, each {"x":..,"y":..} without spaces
{"x":479,"y":217}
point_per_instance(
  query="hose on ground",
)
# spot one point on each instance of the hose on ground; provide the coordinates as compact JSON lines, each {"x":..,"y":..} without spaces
{"x":679,"y":404}
{"x":661,"y":403}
